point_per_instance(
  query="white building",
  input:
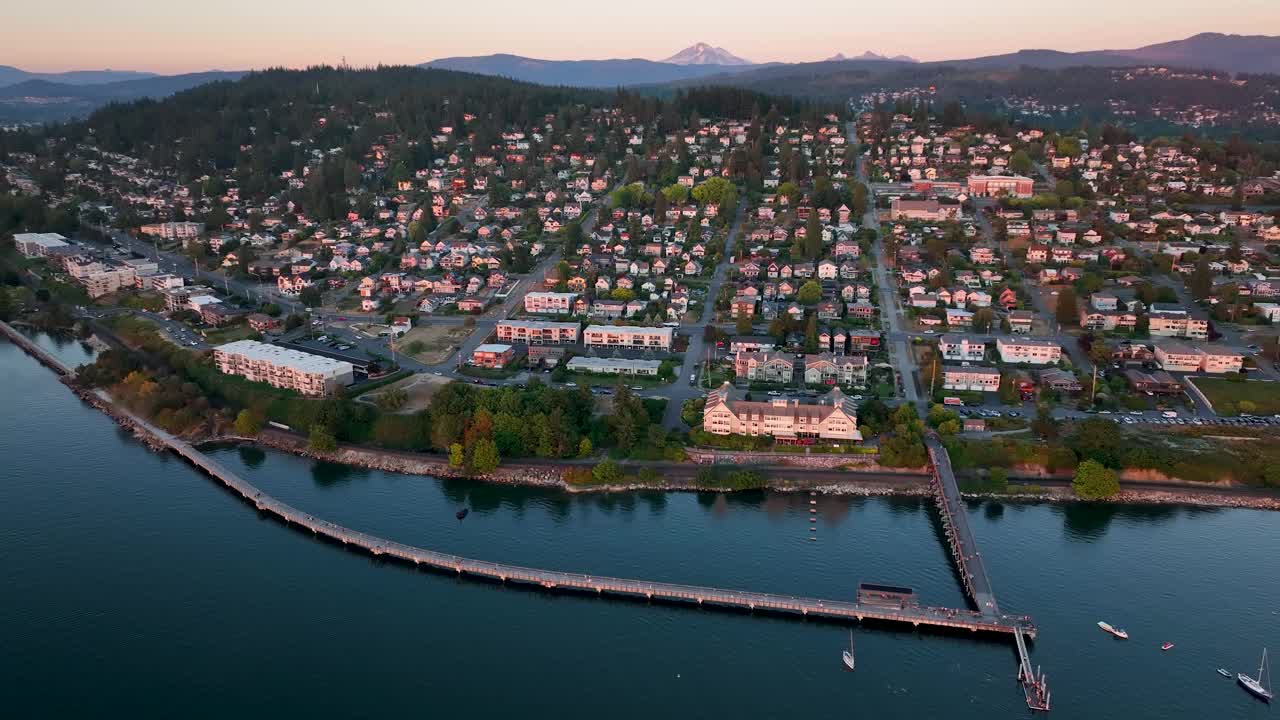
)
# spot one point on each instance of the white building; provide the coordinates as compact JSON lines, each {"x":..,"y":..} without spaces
{"x":38,"y":244}
{"x":614,"y":366}
{"x":283,"y":368}
{"x":956,"y":347}
{"x":1032,"y":352}
{"x":654,"y":338}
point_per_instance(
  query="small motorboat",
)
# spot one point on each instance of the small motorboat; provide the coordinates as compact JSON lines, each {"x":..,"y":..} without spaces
{"x":462,"y":513}
{"x":1224,"y":672}
{"x":1167,"y":646}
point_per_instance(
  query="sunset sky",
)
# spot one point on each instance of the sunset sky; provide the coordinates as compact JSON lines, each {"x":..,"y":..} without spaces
{"x":243,"y":34}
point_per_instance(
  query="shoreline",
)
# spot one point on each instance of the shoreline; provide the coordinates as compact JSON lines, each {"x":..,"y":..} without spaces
{"x":906,"y":483}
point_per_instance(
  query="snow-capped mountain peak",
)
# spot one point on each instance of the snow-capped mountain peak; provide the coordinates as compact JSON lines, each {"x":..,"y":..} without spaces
{"x":704,"y":54}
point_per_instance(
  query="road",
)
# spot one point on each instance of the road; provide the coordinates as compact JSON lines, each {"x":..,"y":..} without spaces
{"x":681,"y":390}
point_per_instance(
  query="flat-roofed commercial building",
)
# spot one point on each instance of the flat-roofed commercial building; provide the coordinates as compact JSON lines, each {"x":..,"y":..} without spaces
{"x":614,"y":366}
{"x":283,"y":368}
{"x":538,"y":332}
{"x":493,"y":355}
{"x":653,"y":338}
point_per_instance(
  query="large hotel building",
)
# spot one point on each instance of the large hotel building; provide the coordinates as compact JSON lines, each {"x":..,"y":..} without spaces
{"x":833,"y":417}
{"x":284,"y":368}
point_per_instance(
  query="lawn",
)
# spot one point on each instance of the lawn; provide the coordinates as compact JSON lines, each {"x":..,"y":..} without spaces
{"x":229,"y":334}
{"x":1232,"y":397}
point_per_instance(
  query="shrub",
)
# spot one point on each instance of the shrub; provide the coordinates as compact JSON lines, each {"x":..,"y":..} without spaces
{"x":1094,"y":481}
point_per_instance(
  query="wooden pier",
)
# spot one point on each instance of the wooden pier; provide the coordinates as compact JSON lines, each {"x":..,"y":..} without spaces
{"x":972,"y":569}
{"x":985,"y":616}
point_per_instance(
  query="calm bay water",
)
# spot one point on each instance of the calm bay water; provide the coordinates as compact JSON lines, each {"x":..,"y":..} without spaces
{"x":133,"y":586}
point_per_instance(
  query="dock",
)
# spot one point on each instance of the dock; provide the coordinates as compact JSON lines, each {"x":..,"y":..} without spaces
{"x":874,"y":602}
{"x":973,"y":570}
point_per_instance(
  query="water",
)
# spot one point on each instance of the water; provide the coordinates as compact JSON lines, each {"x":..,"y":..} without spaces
{"x":133,"y":586}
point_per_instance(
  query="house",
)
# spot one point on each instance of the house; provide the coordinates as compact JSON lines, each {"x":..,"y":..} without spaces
{"x":1020,"y":321}
{"x":1060,"y":381}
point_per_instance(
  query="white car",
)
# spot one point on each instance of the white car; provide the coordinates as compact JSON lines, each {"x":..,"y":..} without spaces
{"x":774,"y":393}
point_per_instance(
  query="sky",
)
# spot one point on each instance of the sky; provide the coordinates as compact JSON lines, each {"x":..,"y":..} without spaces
{"x":171,"y":37}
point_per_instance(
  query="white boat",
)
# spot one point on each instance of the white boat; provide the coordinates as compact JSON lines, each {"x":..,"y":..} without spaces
{"x":1223,"y":672}
{"x":1106,"y":627}
{"x":1259,"y":686}
{"x":847,"y":655}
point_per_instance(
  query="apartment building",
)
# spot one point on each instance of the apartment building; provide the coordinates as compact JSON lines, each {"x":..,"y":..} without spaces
{"x":1032,"y":352}
{"x":179,"y":298}
{"x":970,"y":378}
{"x":549,"y":303}
{"x":34,"y":245}
{"x":109,"y":280}
{"x":173,"y":230}
{"x":1164,"y":321}
{"x":766,"y":366}
{"x":1220,"y":361}
{"x":1178,"y":357}
{"x":652,"y":338}
{"x":832,"y":369}
{"x":538,"y":332}
{"x":956,"y":347}
{"x":280,"y":367}
{"x":833,"y":417}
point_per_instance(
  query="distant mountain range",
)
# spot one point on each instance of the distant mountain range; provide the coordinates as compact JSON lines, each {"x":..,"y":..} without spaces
{"x":42,"y":97}
{"x":868,"y":55}
{"x":704,"y":54}
{"x":10,"y":75}
{"x":37,"y":99}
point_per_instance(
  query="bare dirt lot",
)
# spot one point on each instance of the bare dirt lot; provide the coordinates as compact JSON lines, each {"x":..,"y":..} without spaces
{"x":432,"y":344}
{"x":420,"y":388}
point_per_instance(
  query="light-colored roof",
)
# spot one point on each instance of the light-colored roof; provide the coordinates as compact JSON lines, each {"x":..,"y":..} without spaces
{"x":285,"y":357}
{"x":592,"y":364}
{"x":493,"y":348}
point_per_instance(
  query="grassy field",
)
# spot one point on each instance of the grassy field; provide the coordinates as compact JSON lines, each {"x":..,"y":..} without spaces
{"x":229,"y":334}
{"x":1259,"y":397}
{"x":419,"y":388}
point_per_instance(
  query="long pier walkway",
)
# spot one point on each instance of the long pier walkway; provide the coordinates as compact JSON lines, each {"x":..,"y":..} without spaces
{"x":986,"y":617}
{"x":973,"y":570}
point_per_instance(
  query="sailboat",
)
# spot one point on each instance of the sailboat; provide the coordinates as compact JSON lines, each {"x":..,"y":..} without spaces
{"x":1259,"y":685}
{"x":847,"y":655}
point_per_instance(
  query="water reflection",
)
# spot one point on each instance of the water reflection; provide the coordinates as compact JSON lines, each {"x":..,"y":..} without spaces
{"x":1089,"y":521}
{"x":993,"y":510}
{"x":328,"y":474}
{"x":252,"y":456}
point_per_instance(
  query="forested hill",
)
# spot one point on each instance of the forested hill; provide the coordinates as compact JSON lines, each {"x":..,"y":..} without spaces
{"x":272,"y":113}
{"x":329,"y":106}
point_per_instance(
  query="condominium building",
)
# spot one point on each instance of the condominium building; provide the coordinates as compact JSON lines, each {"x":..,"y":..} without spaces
{"x":832,"y":369}
{"x":1178,"y":357}
{"x":1032,"y":352}
{"x":614,"y":366}
{"x":1165,"y":321}
{"x":173,"y":230}
{"x":35,"y":245}
{"x":653,"y":338}
{"x":973,"y":378}
{"x":767,"y":366}
{"x":549,"y":303}
{"x":1015,"y":185}
{"x":1181,"y":357}
{"x":179,"y":298}
{"x":957,"y":347}
{"x":281,"y":367}
{"x":109,"y":280}
{"x":833,"y":417}
{"x":538,"y":332}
